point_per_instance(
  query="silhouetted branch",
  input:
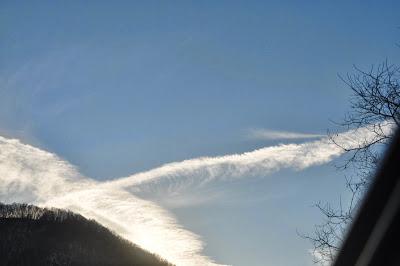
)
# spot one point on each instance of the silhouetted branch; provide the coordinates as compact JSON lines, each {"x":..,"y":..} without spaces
{"x":375,"y":101}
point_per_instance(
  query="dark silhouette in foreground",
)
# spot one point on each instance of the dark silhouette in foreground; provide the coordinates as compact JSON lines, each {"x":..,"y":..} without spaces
{"x":30,"y":235}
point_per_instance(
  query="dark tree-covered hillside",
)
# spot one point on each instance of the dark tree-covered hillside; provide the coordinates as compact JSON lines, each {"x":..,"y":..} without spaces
{"x":30,"y":235}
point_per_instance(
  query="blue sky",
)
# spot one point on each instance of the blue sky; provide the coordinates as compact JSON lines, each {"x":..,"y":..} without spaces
{"x":119,"y":88}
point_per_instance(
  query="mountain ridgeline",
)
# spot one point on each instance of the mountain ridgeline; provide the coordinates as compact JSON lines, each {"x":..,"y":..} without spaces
{"x":30,"y":235}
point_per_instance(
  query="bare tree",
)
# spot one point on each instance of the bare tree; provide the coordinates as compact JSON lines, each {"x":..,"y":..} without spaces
{"x":375,"y":103}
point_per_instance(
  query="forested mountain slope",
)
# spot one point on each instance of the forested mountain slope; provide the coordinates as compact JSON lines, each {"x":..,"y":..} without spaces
{"x":30,"y":235}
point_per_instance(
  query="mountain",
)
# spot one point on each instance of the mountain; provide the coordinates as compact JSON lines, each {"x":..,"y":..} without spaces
{"x":30,"y":235}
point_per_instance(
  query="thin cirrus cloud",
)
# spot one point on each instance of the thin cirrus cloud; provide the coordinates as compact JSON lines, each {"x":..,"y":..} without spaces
{"x":28,"y":174}
{"x":268,"y":134}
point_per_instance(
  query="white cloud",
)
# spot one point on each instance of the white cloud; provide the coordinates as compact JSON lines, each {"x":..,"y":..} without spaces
{"x":142,"y":222}
{"x":31,"y":175}
{"x":268,"y":134}
{"x":199,"y":171}
{"x":28,"y":174}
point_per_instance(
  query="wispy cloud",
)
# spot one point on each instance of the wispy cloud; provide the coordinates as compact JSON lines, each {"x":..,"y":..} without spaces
{"x":199,"y":171}
{"x":268,"y":134}
{"x":28,"y":174}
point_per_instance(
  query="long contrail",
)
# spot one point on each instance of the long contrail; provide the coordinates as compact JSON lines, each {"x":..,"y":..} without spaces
{"x":255,"y":163}
{"x":28,"y":174}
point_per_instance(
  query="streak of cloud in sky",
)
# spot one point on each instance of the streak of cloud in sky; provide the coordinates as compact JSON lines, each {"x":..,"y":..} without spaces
{"x":31,"y":175}
{"x":268,"y":134}
{"x":28,"y":174}
{"x":258,"y":162}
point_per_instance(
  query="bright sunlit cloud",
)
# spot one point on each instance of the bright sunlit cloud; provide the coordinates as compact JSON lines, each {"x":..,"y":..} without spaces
{"x":200,"y":171}
{"x":31,"y":175}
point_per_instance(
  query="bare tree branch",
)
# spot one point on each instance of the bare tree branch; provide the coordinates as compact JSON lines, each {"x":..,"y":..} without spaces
{"x":375,"y":100}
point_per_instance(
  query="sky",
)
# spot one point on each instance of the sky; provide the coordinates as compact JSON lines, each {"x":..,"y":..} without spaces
{"x":115,"y":89}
